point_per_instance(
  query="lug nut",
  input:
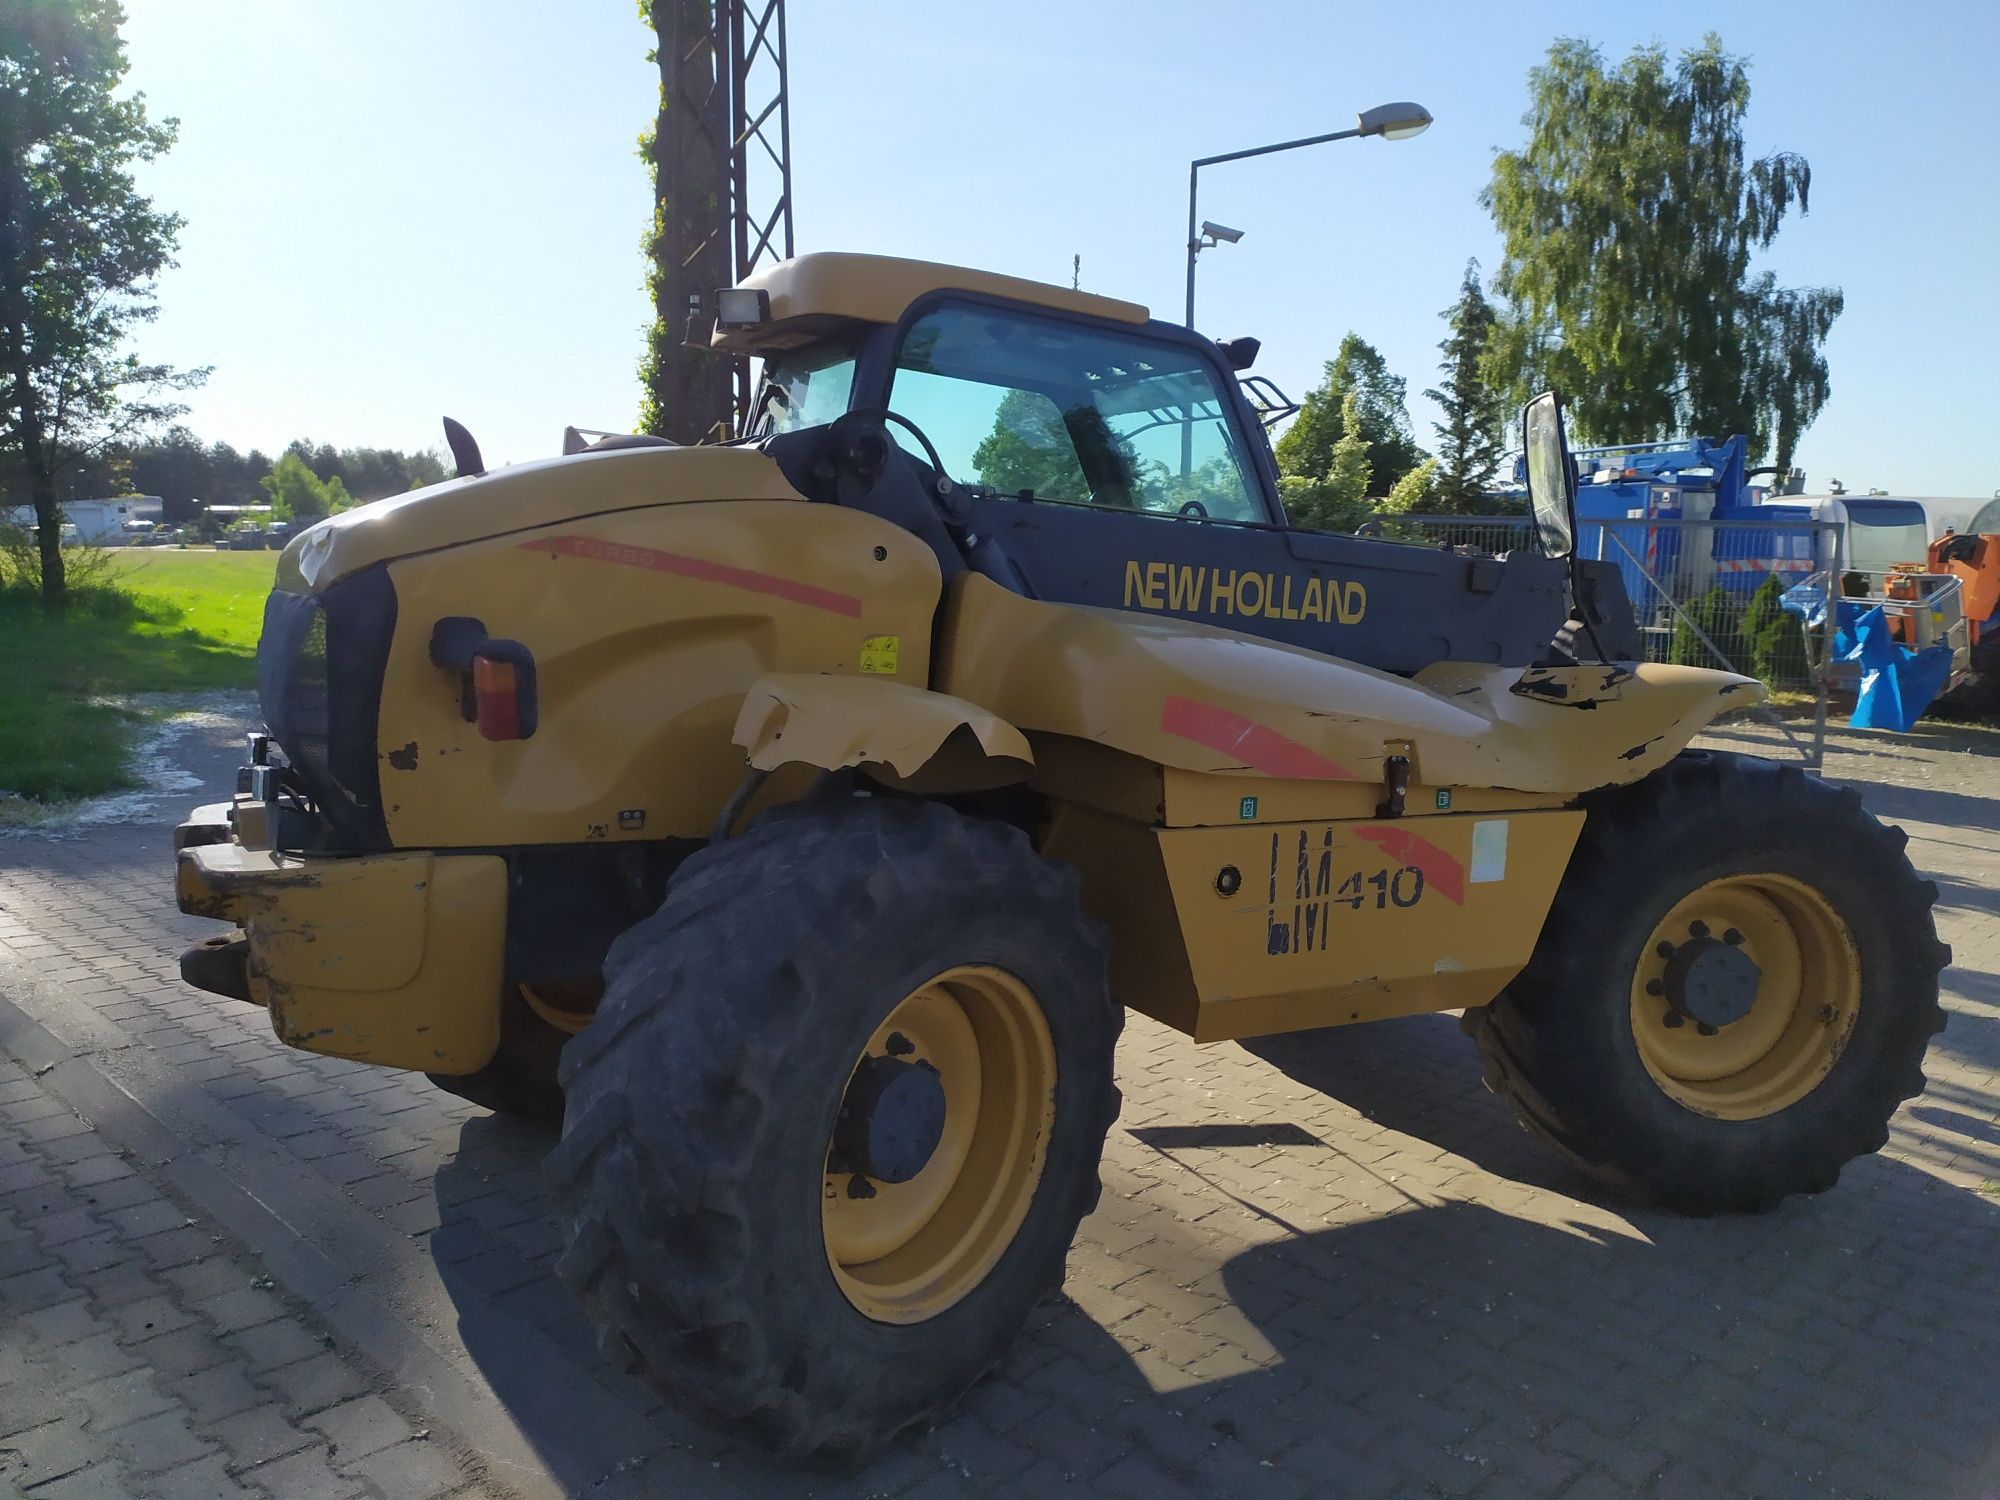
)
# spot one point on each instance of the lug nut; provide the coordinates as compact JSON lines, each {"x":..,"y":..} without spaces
{"x":1733,"y":938}
{"x":898,"y":1045}
{"x":1673,"y":1018}
{"x":1656,"y":986}
{"x":1698,"y":928}
{"x":1665,"y":950}
{"x":1702,"y":1028}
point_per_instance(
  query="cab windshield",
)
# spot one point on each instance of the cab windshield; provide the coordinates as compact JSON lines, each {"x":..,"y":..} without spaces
{"x":1053,"y":411}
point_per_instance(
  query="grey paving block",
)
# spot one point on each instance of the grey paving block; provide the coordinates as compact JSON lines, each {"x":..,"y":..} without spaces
{"x":306,"y":1475}
{"x":367,"y":1424}
{"x":259,"y":1435}
{"x":316,"y":1383}
{"x":412,"y":1470}
{"x":272,"y":1345}
{"x":120,"y":1400}
{"x":166,"y":1441}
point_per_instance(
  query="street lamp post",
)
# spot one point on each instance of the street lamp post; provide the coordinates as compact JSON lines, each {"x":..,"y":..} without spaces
{"x":1393,"y":122}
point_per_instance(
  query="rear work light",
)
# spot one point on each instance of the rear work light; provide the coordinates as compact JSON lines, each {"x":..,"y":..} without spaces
{"x":497,"y":689}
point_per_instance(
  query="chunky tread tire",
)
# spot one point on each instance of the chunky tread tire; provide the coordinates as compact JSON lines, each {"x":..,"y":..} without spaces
{"x":701,"y":1097}
{"x":1558,"y":1044}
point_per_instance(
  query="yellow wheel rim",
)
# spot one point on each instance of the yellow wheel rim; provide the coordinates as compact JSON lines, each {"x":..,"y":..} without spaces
{"x":1807,"y":994}
{"x":904,"y":1252}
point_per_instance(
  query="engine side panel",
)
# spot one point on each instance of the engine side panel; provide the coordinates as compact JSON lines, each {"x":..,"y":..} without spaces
{"x":647,"y":628}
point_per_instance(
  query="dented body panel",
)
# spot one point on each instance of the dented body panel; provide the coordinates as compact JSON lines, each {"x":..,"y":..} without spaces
{"x":1196,"y":698}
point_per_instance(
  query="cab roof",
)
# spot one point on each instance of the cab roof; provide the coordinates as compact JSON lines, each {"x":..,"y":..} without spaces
{"x":811,"y":293}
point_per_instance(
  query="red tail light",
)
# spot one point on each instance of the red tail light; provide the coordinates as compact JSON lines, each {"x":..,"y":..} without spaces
{"x":496,"y":677}
{"x":496,"y":698}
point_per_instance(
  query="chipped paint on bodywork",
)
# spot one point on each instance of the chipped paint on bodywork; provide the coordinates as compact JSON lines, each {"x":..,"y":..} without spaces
{"x":1578,"y":686}
{"x":392,"y":959}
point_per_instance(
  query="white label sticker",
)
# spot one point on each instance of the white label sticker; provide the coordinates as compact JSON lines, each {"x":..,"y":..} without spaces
{"x":1489,"y":851}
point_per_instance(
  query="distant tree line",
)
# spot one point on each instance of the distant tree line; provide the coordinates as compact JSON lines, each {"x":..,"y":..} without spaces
{"x":306,"y":480}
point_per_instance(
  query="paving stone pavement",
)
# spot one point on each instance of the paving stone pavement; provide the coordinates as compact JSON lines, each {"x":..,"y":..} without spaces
{"x":1323,"y":1265}
{"x":144,"y":1354}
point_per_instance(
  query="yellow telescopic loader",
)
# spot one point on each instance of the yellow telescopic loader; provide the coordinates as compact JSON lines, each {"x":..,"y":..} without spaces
{"x":794,"y":817}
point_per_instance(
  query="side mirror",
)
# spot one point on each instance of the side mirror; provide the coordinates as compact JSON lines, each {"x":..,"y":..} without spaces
{"x":1551,"y":475}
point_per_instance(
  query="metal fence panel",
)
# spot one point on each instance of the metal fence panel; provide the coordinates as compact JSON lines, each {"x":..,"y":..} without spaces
{"x":1702,"y":590}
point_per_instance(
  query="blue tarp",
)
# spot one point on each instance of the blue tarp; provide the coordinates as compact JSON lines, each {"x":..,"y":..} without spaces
{"x":1897,"y":684}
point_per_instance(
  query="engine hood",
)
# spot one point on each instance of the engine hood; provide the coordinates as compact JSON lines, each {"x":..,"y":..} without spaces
{"x":521,"y":498}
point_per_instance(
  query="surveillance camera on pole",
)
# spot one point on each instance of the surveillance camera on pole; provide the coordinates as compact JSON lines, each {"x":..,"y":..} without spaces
{"x":1218,"y":234}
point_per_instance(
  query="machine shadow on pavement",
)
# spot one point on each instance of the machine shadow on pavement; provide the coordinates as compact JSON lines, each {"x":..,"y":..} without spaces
{"x":1449,"y":1339}
{"x":1420,"y":1075}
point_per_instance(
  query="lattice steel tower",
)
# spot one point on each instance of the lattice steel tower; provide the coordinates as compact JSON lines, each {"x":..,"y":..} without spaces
{"x":721,"y":152}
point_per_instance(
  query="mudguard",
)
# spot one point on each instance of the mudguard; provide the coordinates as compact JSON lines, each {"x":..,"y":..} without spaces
{"x":834,"y":722}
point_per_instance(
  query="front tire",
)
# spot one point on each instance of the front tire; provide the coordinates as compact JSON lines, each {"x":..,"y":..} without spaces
{"x":733,"y":1231}
{"x":1733,"y":991}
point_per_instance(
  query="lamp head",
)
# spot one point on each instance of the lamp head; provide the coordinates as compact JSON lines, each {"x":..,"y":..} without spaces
{"x":1395,"y":122}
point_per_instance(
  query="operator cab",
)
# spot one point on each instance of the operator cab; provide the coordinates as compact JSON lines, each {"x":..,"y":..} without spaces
{"x":1075,"y":450}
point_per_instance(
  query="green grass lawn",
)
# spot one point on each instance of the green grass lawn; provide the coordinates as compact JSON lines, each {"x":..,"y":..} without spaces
{"x":176,"y":622}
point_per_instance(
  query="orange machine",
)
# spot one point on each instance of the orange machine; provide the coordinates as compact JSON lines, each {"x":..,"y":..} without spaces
{"x":1975,"y":562}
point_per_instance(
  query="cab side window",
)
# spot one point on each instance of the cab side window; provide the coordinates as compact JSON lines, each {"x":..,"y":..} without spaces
{"x":1071,"y":415}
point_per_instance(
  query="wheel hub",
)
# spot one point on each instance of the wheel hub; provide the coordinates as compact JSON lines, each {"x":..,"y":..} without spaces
{"x":1745,"y":995}
{"x":891,"y":1120}
{"x":1711,"y":982}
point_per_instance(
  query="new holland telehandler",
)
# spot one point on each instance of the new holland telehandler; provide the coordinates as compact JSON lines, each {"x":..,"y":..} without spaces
{"x":794,"y":816}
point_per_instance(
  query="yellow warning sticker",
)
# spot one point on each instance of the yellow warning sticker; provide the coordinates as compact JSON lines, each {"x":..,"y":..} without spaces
{"x":878,"y":654}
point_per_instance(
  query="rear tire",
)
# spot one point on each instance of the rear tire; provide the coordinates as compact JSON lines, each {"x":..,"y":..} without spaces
{"x":694,"y":1178}
{"x":1711,"y":1119}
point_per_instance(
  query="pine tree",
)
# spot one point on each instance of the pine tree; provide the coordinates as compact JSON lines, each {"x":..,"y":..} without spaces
{"x":1334,"y":499}
{"x":1777,"y":639}
{"x":1351,"y":470}
{"x":1469,"y":437}
{"x":1712,"y":615}
{"x":1379,"y":412}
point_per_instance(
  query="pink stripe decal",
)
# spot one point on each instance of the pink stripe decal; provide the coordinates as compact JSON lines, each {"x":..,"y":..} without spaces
{"x":1258,"y":746}
{"x":1442,"y":871}
{"x":592,"y":549}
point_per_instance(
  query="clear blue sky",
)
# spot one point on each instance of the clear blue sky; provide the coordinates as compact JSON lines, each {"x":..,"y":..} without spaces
{"x":399,"y":209}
